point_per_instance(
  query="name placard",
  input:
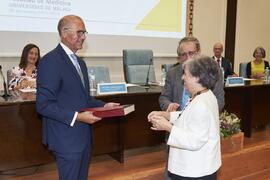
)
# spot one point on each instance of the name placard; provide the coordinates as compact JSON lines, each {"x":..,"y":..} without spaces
{"x":235,"y":81}
{"x":111,"y":88}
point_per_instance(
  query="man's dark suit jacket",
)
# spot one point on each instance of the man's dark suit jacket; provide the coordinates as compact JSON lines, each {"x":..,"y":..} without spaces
{"x":227,"y":67}
{"x":60,"y":93}
{"x":173,"y":90}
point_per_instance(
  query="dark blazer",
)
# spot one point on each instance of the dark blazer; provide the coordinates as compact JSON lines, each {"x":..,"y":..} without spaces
{"x":227,"y":67}
{"x":248,"y":69}
{"x":173,"y":89}
{"x":60,"y":93}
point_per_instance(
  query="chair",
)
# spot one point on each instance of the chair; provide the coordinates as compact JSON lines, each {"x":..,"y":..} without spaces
{"x":242,"y":70}
{"x":101,"y":73}
{"x":137,"y":63}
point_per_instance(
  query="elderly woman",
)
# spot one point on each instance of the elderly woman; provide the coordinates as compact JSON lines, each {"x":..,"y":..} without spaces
{"x":194,"y":138}
{"x":25,"y":75}
{"x":255,"y":69}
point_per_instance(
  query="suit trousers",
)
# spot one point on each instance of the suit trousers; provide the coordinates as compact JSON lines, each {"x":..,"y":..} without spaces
{"x":73,"y":166}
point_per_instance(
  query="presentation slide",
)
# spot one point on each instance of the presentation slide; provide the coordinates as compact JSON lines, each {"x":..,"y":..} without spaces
{"x":156,"y":18}
{"x":130,"y":22}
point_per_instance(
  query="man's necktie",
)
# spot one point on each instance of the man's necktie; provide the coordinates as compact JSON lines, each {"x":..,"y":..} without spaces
{"x":185,"y":98}
{"x":77,"y":66}
{"x":218,"y":61}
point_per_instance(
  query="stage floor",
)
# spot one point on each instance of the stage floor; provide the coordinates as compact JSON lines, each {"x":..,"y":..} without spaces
{"x":149,"y":163}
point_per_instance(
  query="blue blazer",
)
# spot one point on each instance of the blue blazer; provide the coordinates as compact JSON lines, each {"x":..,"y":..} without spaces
{"x":60,"y":93}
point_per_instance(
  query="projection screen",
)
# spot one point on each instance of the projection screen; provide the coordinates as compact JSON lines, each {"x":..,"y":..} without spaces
{"x":112,"y":25}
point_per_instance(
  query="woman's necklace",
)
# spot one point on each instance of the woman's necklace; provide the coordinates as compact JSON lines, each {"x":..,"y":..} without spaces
{"x":198,"y":93}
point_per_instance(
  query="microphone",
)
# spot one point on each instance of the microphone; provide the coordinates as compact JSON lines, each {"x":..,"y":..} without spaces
{"x":5,"y":95}
{"x":147,"y":76}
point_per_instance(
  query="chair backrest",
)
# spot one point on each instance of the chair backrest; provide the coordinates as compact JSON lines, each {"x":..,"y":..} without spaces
{"x":101,"y":73}
{"x":167,"y":67}
{"x":242,"y":70}
{"x":137,"y":63}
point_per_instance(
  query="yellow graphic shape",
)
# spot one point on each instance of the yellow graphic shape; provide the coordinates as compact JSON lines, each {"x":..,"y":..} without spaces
{"x":165,"y":16}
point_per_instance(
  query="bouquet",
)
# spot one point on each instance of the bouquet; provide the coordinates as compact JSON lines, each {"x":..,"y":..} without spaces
{"x":229,"y":124}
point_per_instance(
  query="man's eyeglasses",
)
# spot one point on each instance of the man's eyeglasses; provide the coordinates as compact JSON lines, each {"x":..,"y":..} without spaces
{"x":80,"y":33}
{"x":187,"y":54}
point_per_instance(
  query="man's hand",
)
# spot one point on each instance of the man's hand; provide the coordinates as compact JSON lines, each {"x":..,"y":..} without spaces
{"x":173,"y":107}
{"x":87,"y":117}
{"x":111,"y":104}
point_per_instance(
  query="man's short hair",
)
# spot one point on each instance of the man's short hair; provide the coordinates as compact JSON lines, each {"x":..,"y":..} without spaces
{"x":189,"y":39}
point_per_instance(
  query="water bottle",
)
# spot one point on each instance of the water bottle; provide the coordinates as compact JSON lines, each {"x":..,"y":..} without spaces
{"x":163,"y":76}
{"x":266,"y":74}
{"x":93,"y":85}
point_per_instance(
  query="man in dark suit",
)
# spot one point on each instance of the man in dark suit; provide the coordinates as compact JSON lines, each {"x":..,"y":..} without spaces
{"x":222,"y":62}
{"x":62,"y":91}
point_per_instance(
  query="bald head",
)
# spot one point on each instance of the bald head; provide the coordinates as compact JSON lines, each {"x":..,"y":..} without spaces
{"x":72,"y":32}
{"x":66,"y":22}
{"x":218,"y":49}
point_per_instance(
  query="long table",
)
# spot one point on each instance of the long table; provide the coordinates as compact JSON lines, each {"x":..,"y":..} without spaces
{"x":20,"y":129}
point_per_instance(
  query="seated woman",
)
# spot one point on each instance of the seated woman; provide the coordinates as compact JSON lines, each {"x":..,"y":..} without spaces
{"x":255,"y":69}
{"x":194,"y":138}
{"x":24,"y":76}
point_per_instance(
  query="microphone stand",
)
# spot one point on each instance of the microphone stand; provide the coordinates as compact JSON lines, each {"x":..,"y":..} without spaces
{"x":5,"y":95}
{"x":147,"y":76}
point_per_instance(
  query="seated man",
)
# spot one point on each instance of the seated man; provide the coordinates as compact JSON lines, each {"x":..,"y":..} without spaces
{"x":223,"y":62}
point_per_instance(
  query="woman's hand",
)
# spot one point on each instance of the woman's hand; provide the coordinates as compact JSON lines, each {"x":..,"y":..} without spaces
{"x":258,"y":76}
{"x":26,"y":83}
{"x":32,"y":84}
{"x":164,"y":114}
{"x":23,"y":84}
{"x":160,"y":123}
